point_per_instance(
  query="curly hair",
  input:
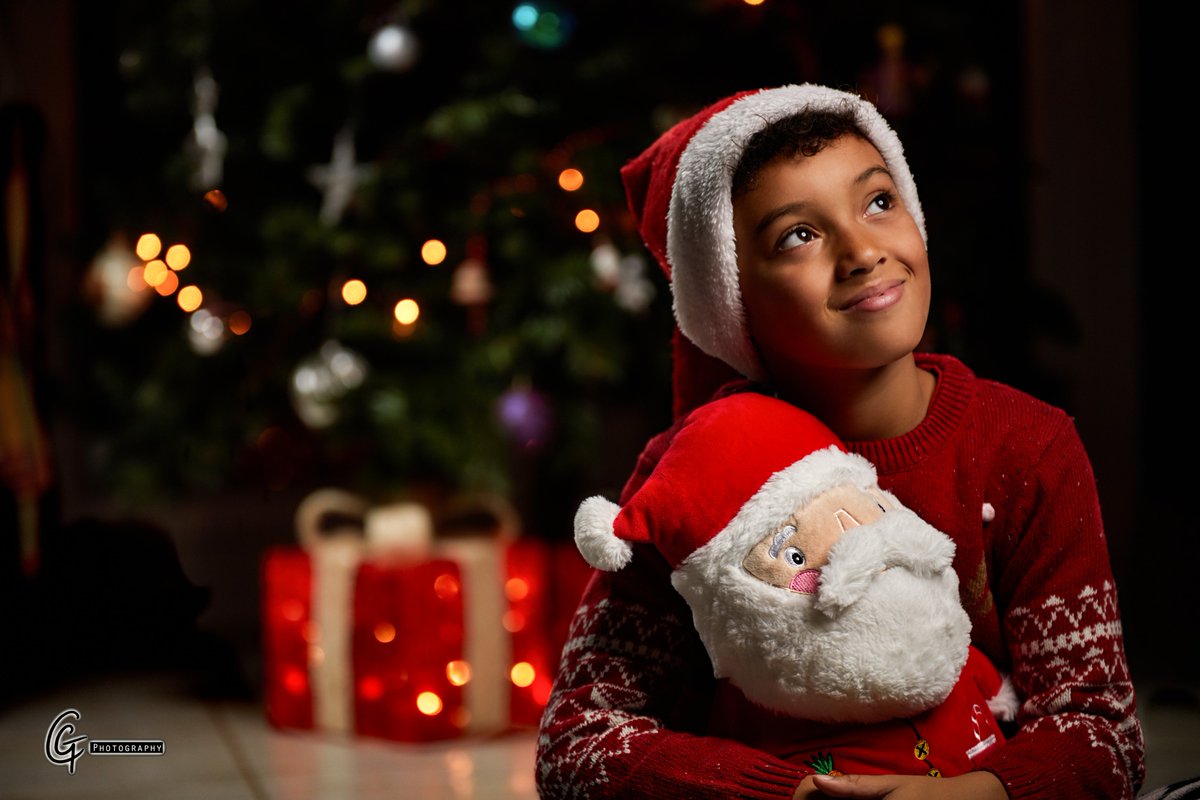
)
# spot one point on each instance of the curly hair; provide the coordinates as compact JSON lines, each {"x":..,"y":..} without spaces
{"x":803,"y":134}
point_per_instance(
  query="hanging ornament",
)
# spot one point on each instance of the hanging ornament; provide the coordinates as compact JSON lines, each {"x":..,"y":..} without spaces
{"x":339,"y":178}
{"x":543,"y":24}
{"x":624,"y":276}
{"x":393,"y":48}
{"x":118,"y":296}
{"x":526,"y":416}
{"x":322,"y":379}
{"x":206,"y":144}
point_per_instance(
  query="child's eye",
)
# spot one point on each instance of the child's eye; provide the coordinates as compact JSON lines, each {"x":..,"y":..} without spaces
{"x":881,"y":202}
{"x":795,"y":238}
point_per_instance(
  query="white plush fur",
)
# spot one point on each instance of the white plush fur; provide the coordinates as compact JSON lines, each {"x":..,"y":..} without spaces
{"x":701,"y":246}
{"x":595,"y":538}
{"x":892,"y":644}
{"x":1005,"y":704}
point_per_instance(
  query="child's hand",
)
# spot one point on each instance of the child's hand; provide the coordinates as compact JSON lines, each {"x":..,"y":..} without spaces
{"x":972,"y":786}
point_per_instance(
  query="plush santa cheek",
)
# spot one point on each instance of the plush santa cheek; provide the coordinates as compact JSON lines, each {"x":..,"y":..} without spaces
{"x":806,"y":581}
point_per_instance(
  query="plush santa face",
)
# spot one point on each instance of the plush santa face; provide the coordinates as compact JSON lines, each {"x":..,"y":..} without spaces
{"x":839,"y":606}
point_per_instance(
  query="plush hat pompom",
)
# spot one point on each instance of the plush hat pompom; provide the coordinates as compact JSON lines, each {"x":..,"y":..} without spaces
{"x":595,"y":535}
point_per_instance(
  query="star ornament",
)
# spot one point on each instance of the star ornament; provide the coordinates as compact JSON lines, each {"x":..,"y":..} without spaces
{"x":339,"y":178}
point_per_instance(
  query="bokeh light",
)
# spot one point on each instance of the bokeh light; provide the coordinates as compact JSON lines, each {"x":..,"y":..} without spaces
{"x":136,"y":280}
{"x":239,"y":323}
{"x":295,"y":681}
{"x":385,"y":632}
{"x":445,"y":586}
{"x":168,"y":284}
{"x":216,"y":198}
{"x":570,"y":179}
{"x":148,"y":246}
{"x":513,"y":621}
{"x":587,"y":220}
{"x":516,"y":588}
{"x":407,"y":311}
{"x":522,"y":673}
{"x":178,"y":257}
{"x":370,"y":688}
{"x":155,"y":273}
{"x":458,"y":673}
{"x":190,"y":298}
{"x":354,"y":291}
{"x":429,"y":703}
{"x":433,"y":252}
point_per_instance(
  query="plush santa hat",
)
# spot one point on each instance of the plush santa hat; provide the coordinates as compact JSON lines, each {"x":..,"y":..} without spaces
{"x":747,"y":455}
{"x":679,"y":191}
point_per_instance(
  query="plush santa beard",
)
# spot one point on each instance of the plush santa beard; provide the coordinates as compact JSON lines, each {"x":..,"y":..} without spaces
{"x":885,"y":636}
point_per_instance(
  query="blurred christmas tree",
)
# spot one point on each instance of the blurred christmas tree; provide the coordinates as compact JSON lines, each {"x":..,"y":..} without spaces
{"x":409,"y":247}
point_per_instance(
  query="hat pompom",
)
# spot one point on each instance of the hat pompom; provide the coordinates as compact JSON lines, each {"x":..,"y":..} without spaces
{"x":595,"y":535}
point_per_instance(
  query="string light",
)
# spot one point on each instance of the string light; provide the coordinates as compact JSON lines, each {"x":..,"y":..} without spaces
{"x":216,"y":199}
{"x":354,"y":291}
{"x":516,"y":588}
{"x":433,"y":252}
{"x":522,"y":674}
{"x":148,"y":246}
{"x":429,"y":704}
{"x":385,"y":632}
{"x":190,"y":298}
{"x":370,"y":688}
{"x":155,"y":273}
{"x":178,"y":257}
{"x":294,"y":680}
{"x":513,"y":621}
{"x":570,"y":179}
{"x":239,"y":323}
{"x":458,"y":673}
{"x":587,"y":220}
{"x":445,"y":586}
{"x":753,"y":2}
{"x":167,"y":286}
{"x":407,"y":311}
{"x":136,"y":281}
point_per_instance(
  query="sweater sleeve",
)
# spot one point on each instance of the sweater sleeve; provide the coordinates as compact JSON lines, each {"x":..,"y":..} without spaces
{"x":633,"y":683}
{"x":1078,"y":735}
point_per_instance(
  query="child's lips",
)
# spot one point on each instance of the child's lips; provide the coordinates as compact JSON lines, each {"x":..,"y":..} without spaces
{"x":875,"y":297}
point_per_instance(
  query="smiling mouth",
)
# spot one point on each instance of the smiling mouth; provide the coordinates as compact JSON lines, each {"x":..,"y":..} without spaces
{"x":875,"y":297}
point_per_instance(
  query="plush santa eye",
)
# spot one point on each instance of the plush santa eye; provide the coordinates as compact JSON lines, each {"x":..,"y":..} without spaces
{"x":793,"y":556}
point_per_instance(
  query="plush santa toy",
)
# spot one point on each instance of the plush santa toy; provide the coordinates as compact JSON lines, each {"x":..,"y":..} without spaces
{"x":829,"y":610}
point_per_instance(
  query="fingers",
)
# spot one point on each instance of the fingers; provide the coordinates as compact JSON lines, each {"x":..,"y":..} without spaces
{"x":856,"y":785}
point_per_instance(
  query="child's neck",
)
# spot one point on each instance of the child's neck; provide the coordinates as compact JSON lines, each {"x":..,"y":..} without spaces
{"x":862,"y":405}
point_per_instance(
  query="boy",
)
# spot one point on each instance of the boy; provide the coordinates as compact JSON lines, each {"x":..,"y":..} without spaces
{"x":791,"y":229}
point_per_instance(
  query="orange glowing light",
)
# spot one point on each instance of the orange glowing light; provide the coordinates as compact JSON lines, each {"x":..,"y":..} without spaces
{"x":292,"y":610}
{"x":458,"y":673}
{"x":136,"y":280}
{"x":445,"y":586}
{"x":239,"y":323}
{"x":385,"y":632}
{"x":407,"y":311}
{"x":295,"y":680}
{"x":516,"y":588}
{"x":570,"y":179}
{"x":433,"y":252}
{"x":310,"y":632}
{"x":316,"y":654}
{"x":216,"y":198}
{"x":178,"y":257}
{"x":522,"y":674}
{"x":169,"y":284}
{"x":429,"y":704}
{"x":190,"y":298}
{"x":148,"y":246}
{"x":354,"y":291}
{"x":587,"y":220}
{"x":461,"y":717}
{"x":541,"y":690}
{"x":155,"y":273}
{"x":753,"y":2}
{"x":513,"y":621}
{"x":370,"y":688}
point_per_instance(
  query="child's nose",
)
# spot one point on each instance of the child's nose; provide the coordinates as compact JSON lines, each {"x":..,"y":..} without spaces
{"x":860,"y":253}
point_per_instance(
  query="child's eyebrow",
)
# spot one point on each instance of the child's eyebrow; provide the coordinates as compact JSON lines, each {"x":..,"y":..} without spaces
{"x":790,"y":208}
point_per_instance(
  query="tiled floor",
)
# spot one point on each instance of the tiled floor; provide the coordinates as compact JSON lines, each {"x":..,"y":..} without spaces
{"x":226,"y":751}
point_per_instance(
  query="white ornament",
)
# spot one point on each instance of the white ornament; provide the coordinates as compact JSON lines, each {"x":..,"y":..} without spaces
{"x":339,"y":178}
{"x":322,"y":379}
{"x":206,"y":143}
{"x":393,"y":47}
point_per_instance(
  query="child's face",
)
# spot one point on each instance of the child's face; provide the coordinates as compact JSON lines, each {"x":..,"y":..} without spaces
{"x":833,"y":270}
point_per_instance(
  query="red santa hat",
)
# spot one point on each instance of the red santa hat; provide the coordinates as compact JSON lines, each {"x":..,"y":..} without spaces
{"x":747,"y":455}
{"x":679,"y":191}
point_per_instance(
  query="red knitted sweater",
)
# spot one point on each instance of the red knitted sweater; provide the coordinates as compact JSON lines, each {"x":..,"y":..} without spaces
{"x":1005,"y":476}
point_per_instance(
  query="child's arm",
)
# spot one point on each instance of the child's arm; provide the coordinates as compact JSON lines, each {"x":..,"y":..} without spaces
{"x":1052,"y":580}
{"x":634,"y":674}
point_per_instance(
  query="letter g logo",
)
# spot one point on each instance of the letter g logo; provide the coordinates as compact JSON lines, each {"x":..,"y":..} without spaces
{"x":61,"y":746}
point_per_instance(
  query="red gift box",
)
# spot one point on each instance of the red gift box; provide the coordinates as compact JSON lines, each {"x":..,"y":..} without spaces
{"x":433,"y":641}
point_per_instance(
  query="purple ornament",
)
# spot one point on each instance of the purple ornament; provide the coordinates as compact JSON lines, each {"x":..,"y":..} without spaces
{"x":526,"y":416}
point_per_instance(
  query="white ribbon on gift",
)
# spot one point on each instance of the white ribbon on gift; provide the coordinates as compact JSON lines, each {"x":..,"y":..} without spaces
{"x":404,"y":530}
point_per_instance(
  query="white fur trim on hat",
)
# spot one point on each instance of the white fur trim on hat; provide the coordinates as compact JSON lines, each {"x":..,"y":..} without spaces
{"x":701,"y":246}
{"x":595,"y":537}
